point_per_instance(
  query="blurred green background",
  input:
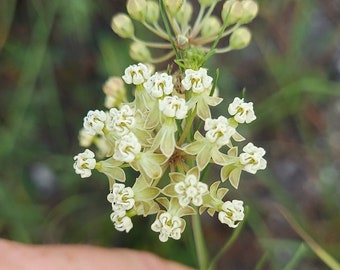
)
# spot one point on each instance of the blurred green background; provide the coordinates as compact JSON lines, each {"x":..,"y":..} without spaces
{"x":55,"y":57}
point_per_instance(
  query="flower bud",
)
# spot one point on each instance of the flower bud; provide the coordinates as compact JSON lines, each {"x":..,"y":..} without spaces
{"x":173,"y":6}
{"x":232,"y":11}
{"x":122,"y":25}
{"x":240,"y":38}
{"x":136,"y":9}
{"x":182,"y":42}
{"x":139,"y":52}
{"x":250,"y":9}
{"x":184,"y":14}
{"x":211,"y":27}
{"x":152,"y":12}
{"x":114,"y":86}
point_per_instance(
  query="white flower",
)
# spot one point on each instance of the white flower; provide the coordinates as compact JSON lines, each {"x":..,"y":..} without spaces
{"x":85,"y":139}
{"x":84,"y":163}
{"x":168,"y":226}
{"x":121,"y":197}
{"x":173,"y":106}
{"x":191,"y":190}
{"x":159,"y":84}
{"x":219,"y":130}
{"x":231,"y":213}
{"x":121,"y":221}
{"x":197,"y":80}
{"x":126,"y":148}
{"x":242,"y":111}
{"x":94,"y":122}
{"x":121,"y":121}
{"x":136,"y":74}
{"x":252,"y":158}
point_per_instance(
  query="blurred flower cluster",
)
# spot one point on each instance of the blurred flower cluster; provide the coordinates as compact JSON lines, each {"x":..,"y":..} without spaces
{"x":194,"y":40}
{"x":167,"y":133}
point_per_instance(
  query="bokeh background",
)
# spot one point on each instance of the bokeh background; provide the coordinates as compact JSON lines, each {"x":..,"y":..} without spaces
{"x":55,"y":57}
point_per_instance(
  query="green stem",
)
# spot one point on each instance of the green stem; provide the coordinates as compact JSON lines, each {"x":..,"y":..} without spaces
{"x":167,"y":28}
{"x":163,"y":58}
{"x":157,"y":45}
{"x":231,"y":240}
{"x":200,"y":22}
{"x":187,"y":128}
{"x":195,"y":28}
{"x":201,"y":251}
{"x":157,"y":32}
{"x":298,"y":254}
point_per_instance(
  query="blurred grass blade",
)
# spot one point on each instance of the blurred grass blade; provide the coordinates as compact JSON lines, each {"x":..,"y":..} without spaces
{"x":7,"y":9}
{"x":262,"y":261}
{"x":232,"y":239}
{"x":291,"y":265}
{"x":318,"y":250}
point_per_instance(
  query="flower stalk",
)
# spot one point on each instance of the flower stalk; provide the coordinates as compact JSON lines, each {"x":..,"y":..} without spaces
{"x":167,"y":133}
{"x":201,"y":250}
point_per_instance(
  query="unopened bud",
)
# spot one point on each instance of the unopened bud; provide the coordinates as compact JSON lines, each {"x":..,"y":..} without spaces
{"x":232,"y":11}
{"x":240,"y":38}
{"x":211,"y":27}
{"x":122,"y":25}
{"x":184,"y":14}
{"x":139,"y":52}
{"x":182,"y":42}
{"x":250,"y":9}
{"x":85,"y":139}
{"x":114,"y":86}
{"x":152,"y":12}
{"x":173,"y":6}
{"x":115,"y":92}
{"x":136,"y":9}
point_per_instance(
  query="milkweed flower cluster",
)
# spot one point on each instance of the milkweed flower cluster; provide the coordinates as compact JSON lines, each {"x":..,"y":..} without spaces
{"x":167,"y":133}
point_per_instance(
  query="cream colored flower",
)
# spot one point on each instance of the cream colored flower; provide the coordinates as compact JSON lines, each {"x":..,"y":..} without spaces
{"x":121,"y":197}
{"x":94,"y":122}
{"x":159,"y":85}
{"x":121,"y":221}
{"x":126,"y":148}
{"x":243,"y":112}
{"x":200,"y":84}
{"x":252,"y":158}
{"x":204,"y":150}
{"x":168,"y":226}
{"x":136,"y":74}
{"x":191,"y":190}
{"x":84,"y":163}
{"x":219,"y":130}
{"x":121,"y":121}
{"x":174,"y":107}
{"x":197,"y":80}
{"x":232,"y":212}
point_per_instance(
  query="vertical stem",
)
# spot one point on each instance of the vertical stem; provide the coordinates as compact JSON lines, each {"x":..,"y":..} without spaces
{"x":188,"y":127}
{"x":231,"y":240}
{"x":201,"y":251}
{"x":167,"y":28}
